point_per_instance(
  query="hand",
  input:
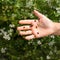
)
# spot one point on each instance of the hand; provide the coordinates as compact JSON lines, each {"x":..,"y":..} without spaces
{"x":36,"y":28}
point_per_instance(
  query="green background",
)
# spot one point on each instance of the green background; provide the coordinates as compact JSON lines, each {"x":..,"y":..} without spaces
{"x":12,"y":45}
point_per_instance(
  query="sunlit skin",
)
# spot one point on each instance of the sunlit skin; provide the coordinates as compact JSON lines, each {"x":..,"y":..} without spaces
{"x":36,"y":28}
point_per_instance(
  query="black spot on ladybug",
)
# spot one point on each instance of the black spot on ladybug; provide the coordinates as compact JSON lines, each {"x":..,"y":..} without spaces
{"x":31,"y":25}
{"x":34,"y":20}
{"x":24,"y":27}
{"x":37,"y":32}
{"x":36,"y":26}
{"x":38,"y":18}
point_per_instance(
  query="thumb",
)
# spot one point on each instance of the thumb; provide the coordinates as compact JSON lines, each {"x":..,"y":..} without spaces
{"x":38,"y":14}
{"x":44,"y":21}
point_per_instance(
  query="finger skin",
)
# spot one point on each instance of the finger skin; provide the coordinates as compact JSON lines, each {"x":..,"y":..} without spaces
{"x":23,"y":28}
{"x":26,"y":21}
{"x":30,"y":37}
{"x":25,"y":32}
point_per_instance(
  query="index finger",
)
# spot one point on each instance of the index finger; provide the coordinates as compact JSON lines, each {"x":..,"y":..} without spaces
{"x":26,"y":21}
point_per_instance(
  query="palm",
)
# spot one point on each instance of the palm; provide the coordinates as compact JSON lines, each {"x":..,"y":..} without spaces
{"x":36,"y":28}
{"x":40,"y":30}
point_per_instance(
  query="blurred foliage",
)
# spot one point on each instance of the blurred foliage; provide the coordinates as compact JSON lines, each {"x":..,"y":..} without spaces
{"x":13,"y":46}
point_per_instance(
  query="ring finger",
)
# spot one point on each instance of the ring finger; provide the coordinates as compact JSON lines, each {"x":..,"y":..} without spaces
{"x":25,"y":32}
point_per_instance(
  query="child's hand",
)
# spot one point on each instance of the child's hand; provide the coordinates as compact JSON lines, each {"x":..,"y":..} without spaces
{"x":36,"y":28}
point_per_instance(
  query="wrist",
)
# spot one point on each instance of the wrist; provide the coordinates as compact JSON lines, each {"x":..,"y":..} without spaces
{"x":57,"y":28}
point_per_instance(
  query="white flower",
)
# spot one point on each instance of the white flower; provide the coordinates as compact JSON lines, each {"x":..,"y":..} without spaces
{"x":3,"y":50}
{"x":31,"y":15}
{"x":49,"y":2}
{"x":2,"y":30}
{"x":50,"y":53}
{"x":10,"y":34}
{"x":31,"y":41}
{"x":52,"y":36}
{"x":0,"y":33}
{"x":47,"y":57}
{"x":17,"y":5}
{"x":29,"y":3}
{"x":2,"y":0}
{"x":39,"y":42}
{"x":11,"y":30}
{"x":51,"y":43}
{"x":58,"y":8}
{"x":5,"y":33}
{"x":7,"y":37}
{"x":12,"y":25}
{"x":22,"y":9}
{"x":58,"y":12}
{"x":14,"y":15}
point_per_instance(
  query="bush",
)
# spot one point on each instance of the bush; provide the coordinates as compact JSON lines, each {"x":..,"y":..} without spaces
{"x":13,"y":46}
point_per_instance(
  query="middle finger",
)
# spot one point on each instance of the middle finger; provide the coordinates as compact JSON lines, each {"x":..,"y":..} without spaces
{"x":24,"y":28}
